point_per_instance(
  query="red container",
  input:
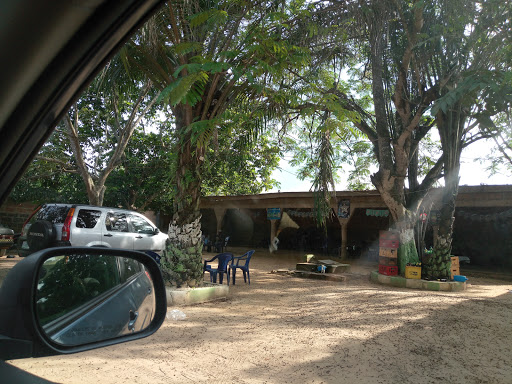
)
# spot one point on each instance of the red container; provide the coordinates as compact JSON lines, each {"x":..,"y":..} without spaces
{"x":384,"y":243}
{"x":389,"y":235}
{"x":388,"y":270}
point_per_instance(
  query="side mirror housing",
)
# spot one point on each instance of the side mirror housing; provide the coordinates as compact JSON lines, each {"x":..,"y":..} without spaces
{"x":72,"y":299}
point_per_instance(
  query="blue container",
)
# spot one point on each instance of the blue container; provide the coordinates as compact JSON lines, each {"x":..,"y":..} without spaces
{"x":460,"y":278}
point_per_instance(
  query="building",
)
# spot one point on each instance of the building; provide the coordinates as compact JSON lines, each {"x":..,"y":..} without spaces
{"x":482,"y":228}
{"x":482,"y":225}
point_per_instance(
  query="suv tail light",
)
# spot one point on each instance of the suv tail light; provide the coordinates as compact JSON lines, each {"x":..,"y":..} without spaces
{"x":66,"y":229}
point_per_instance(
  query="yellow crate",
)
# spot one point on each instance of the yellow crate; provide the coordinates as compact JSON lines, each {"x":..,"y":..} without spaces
{"x":388,"y":252}
{"x":455,"y":261}
{"x":412,"y":272}
{"x":454,"y":271}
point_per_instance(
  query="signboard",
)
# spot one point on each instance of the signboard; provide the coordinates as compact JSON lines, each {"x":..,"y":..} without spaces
{"x":377,"y":212}
{"x":435,"y":217}
{"x":273,"y":213}
{"x":344,"y":209}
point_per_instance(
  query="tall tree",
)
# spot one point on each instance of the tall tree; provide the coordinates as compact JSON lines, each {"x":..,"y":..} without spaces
{"x":91,"y":139}
{"x":416,"y":54}
{"x":383,"y":40}
{"x":144,"y":178}
{"x":205,"y":56}
{"x":98,"y":155}
{"x":468,"y":61}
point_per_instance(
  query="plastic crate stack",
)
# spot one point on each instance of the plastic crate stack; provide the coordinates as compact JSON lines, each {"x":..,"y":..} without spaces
{"x":455,"y":268}
{"x":388,"y":253}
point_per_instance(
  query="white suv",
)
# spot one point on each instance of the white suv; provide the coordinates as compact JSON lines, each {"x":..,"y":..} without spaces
{"x":54,"y":225}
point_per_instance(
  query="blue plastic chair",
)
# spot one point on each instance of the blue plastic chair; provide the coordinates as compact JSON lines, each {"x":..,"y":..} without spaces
{"x":244,"y":267}
{"x":223,"y":260}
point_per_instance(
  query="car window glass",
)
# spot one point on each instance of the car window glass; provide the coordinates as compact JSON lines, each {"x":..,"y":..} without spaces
{"x":129,"y":267}
{"x":53,"y":213}
{"x":140,"y":225}
{"x":85,"y":278}
{"x":87,"y":218}
{"x":116,"y":222}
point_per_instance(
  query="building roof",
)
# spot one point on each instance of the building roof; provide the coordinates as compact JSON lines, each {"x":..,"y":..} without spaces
{"x":469,"y":196}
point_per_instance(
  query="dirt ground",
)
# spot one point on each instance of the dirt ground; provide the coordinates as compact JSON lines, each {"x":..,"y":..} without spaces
{"x":283,"y":329}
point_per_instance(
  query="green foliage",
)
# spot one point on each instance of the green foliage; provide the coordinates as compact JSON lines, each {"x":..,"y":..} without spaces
{"x":99,"y":114}
{"x":351,"y":151}
{"x":236,"y":168}
{"x":45,"y":182}
{"x":489,"y":89}
{"x":144,"y":179}
{"x":201,"y":132}
{"x":211,"y":16}
{"x":185,"y":90}
{"x":323,"y":180}
{"x":407,"y":254}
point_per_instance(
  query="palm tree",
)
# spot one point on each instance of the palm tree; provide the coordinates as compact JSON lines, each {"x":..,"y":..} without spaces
{"x":205,"y":56}
{"x":468,"y":61}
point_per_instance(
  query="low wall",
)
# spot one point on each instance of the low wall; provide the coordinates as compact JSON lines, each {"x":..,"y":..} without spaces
{"x":14,"y":215}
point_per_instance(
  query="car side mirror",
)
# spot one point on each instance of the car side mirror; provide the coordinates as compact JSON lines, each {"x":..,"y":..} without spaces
{"x":151,"y":232}
{"x":78,"y":299}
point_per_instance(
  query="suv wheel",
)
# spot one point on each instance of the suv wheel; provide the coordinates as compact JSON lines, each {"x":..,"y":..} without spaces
{"x":41,"y":235}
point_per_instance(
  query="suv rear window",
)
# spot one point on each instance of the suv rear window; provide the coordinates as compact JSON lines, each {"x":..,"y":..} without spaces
{"x":55,"y":214}
{"x":87,"y":218}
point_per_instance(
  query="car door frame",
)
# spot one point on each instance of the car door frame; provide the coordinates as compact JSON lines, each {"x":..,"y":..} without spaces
{"x":117,"y":239}
{"x":144,"y":241}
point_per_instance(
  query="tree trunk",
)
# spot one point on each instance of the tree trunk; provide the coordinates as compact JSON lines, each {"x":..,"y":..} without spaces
{"x":95,"y":193}
{"x":393,"y":157}
{"x":407,"y":251}
{"x":182,"y":262}
{"x":451,"y":127}
{"x":439,"y":264}
{"x":95,"y":187}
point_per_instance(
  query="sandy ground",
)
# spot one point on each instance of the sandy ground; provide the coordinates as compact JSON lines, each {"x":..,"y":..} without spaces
{"x":282,"y":329}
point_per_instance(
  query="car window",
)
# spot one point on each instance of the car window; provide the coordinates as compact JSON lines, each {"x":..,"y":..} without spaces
{"x":87,"y":218}
{"x":129,"y":267}
{"x":116,"y":222}
{"x":140,"y":225}
{"x":53,"y":213}
{"x":86,"y":277}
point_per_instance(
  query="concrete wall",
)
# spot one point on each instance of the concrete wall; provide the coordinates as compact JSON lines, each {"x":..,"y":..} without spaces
{"x":14,"y":215}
